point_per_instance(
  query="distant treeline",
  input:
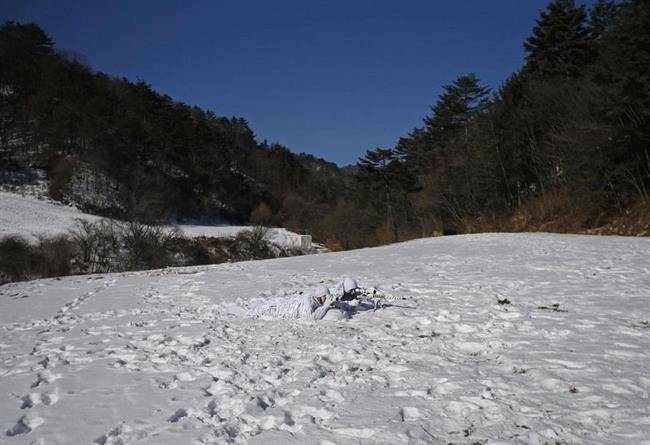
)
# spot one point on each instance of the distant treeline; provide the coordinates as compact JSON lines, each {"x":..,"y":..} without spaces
{"x":562,"y":145}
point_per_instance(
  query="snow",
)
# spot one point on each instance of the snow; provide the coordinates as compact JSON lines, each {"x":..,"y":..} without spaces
{"x":155,"y":358}
{"x":279,"y":236}
{"x":31,"y":217}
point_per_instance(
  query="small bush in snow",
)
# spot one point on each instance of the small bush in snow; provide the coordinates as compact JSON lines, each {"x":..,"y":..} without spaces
{"x":199,"y":251}
{"x":99,"y":245}
{"x":109,"y":246}
{"x":148,"y":247}
{"x":52,"y":257}
{"x":15,"y":259}
{"x":251,"y":244}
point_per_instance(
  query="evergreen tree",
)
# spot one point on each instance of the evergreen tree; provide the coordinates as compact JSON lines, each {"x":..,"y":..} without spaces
{"x":455,"y":160}
{"x":22,"y":48}
{"x":602,"y":18}
{"x":625,"y":68}
{"x":457,"y":107}
{"x":384,"y":175}
{"x":414,"y":150}
{"x":560,"y":45}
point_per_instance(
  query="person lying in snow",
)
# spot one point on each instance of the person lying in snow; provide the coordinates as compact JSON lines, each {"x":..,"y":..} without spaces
{"x":313,"y":304}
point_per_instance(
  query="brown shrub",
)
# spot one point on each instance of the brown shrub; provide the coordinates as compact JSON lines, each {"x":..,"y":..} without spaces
{"x":333,"y":246}
{"x":15,"y":259}
{"x":261,"y":215}
{"x":561,"y":211}
{"x":98,"y":245}
{"x":52,"y":257}
{"x":148,"y":247}
{"x":252,"y":244}
{"x":59,"y":173}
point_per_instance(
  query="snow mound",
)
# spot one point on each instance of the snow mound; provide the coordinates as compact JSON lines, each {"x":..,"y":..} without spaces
{"x":490,"y":339}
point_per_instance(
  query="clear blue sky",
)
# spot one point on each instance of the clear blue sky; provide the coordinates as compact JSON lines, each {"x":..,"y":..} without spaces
{"x":332,"y":78}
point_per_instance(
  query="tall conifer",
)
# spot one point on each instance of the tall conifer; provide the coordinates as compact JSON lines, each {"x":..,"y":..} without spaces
{"x":560,"y":45}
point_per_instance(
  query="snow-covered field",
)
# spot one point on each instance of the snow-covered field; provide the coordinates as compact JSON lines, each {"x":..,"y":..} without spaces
{"x":30,"y":217}
{"x":153,"y":357}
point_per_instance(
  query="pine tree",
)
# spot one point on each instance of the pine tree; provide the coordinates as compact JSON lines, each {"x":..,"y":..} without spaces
{"x":384,"y":174}
{"x":461,"y":102}
{"x":415,"y":151}
{"x":625,"y":65}
{"x":602,"y":17}
{"x":560,"y":45}
{"x":22,"y":47}
{"x":452,"y":148}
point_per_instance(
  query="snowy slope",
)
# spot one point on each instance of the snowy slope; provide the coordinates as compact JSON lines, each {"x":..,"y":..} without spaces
{"x":29,"y":217}
{"x":277,"y":235}
{"x":154,"y":358}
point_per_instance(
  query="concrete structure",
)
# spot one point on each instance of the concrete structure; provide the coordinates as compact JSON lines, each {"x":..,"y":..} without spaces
{"x":299,"y":241}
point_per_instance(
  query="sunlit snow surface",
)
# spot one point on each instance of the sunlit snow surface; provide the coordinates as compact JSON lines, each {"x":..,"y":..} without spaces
{"x":30,"y":218}
{"x":153,"y":357}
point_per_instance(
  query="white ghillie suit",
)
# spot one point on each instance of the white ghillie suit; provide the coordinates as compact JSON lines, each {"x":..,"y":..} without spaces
{"x":344,"y":287}
{"x":311,"y":305}
{"x":315,"y":303}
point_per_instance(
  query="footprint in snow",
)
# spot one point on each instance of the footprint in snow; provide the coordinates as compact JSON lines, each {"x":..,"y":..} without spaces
{"x":45,"y":377}
{"x":178,"y":415}
{"x":33,"y":399}
{"x":25,"y":424}
{"x":121,"y":434}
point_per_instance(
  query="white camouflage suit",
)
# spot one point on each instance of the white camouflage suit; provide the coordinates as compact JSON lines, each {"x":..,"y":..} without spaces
{"x":312,"y":304}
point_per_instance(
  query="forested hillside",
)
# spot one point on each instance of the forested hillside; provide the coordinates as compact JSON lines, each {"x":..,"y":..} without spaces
{"x":562,"y":145}
{"x":120,"y":148}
